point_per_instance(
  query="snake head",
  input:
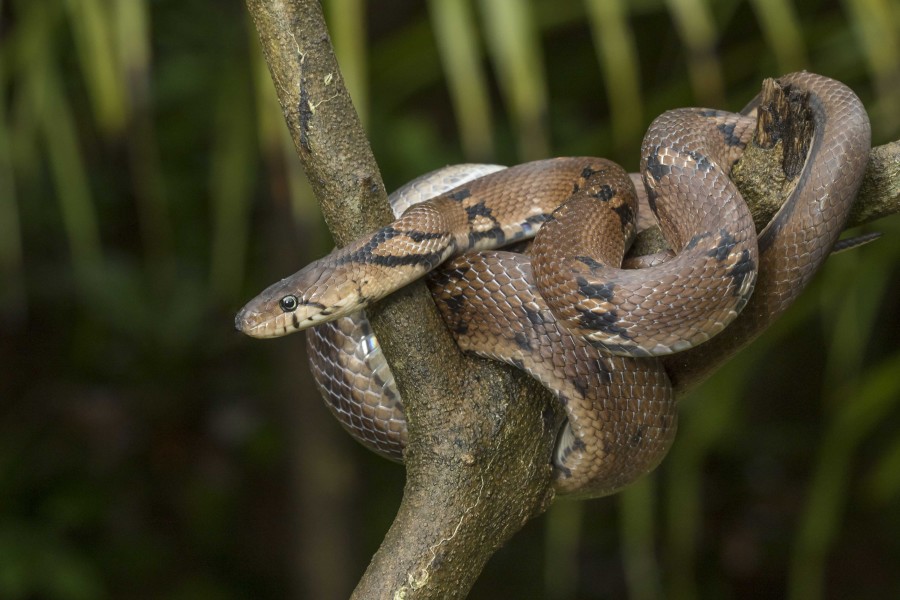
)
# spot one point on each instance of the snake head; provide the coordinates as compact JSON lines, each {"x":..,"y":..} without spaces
{"x":298,"y":302}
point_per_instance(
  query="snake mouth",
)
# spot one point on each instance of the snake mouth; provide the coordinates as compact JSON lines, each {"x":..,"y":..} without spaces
{"x":250,"y":323}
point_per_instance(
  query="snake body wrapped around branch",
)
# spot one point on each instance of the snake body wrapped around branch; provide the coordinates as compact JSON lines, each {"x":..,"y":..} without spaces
{"x":607,"y":337}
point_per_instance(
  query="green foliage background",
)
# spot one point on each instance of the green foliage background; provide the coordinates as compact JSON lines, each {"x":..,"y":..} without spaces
{"x":148,"y":189}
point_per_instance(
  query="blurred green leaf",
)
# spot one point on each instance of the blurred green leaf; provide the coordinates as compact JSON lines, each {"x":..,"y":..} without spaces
{"x":346,"y":24}
{"x":232,"y":172}
{"x":515,"y":49}
{"x":778,"y":21}
{"x":459,"y":49}
{"x":565,"y":520}
{"x":864,"y":406}
{"x":617,"y":54}
{"x":60,"y":139}
{"x":94,"y":35}
{"x":697,"y":29}
{"x":637,"y":526}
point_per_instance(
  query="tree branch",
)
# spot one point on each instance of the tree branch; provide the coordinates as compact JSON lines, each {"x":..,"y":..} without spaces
{"x":481,"y":433}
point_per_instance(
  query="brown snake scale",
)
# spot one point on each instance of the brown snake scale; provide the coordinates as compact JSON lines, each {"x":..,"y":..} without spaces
{"x":614,"y":342}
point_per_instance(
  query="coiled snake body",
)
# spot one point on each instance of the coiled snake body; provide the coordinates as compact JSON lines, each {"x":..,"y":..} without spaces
{"x":608,"y":341}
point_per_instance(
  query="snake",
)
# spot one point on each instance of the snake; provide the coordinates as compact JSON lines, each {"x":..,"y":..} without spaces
{"x":617,"y":340}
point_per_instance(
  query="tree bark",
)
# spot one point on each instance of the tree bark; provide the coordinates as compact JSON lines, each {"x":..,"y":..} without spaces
{"x":481,"y":434}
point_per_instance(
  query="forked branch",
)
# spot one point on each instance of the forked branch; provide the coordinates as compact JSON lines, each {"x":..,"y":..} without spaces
{"x":481,"y":434}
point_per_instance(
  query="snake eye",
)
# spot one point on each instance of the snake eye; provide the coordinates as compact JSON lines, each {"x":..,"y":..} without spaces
{"x":288,"y":303}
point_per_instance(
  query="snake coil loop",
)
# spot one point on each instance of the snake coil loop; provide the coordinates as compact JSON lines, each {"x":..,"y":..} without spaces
{"x":608,"y":341}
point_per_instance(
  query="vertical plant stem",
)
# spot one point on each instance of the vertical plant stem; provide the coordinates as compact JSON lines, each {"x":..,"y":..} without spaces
{"x":875,"y":396}
{"x":347,"y":24}
{"x":563,"y":536}
{"x":515,"y":49}
{"x":231,"y":174}
{"x":79,"y":216}
{"x":455,"y":31}
{"x":617,"y":53}
{"x":642,"y":573}
{"x":781,"y":28}
{"x":132,"y":28}
{"x":697,"y":30}
{"x":12,"y":295}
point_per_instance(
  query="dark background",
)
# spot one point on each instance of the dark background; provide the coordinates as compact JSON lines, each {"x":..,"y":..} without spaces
{"x":148,"y":189}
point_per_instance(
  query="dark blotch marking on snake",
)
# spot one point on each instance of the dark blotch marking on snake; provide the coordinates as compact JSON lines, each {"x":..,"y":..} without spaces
{"x":522,"y":341}
{"x":460,"y":195}
{"x":581,"y":384}
{"x":494,"y":233}
{"x":655,"y":168}
{"x":619,"y":348}
{"x":367,"y":255}
{"x":459,"y":326}
{"x":604,"y":372}
{"x":538,"y":219}
{"x":479,"y":210}
{"x":534,"y":316}
{"x":724,"y":246}
{"x":311,"y":303}
{"x":727,"y":130}
{"x":637,"y":436}
{"x":603,"y":291}
{"x":625,"y":212}
{"x":604,"y":193}
{"x":587,"y":172}
{"x":605,"y":321}
{"x":421,"y":236}
{"x":741,"y":269}
{"x":442,"y":278}
{"x":428,"y":261}
{"x":517,"y":363}
{"x":696,"y":240}
{"x":703,"y":162}
{"x":456,"y":303}
{"x":591,"y":263}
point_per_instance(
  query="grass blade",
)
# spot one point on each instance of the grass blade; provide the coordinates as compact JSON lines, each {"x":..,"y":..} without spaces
{"x":516,"y":53}
{"x":877,"y":394}
{"x":642,"y":573}
{"x":92,"y":33}
{"x":875,"y":24}
{"x":347,"y":25}
{"x":133,"y":39}
{"x":697,"y":30}
{"x":617,"y":54}
{"x":563,"y":535}
{"x":232,"y":172}
{"x":457,"y":42}
{"x":782,"y":32}
{"x":12,"y":294}
{"x":80,"y":220}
